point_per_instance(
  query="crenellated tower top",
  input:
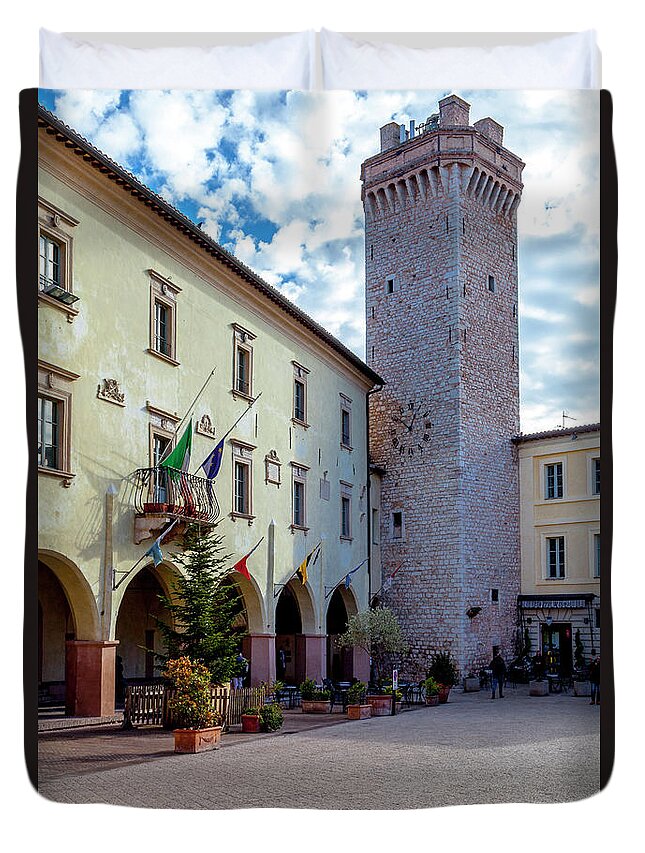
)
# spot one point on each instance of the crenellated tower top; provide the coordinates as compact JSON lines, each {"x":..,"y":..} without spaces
{"x":443,"y":154}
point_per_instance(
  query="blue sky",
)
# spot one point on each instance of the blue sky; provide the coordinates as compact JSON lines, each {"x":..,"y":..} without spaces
{"x":275,"y":178}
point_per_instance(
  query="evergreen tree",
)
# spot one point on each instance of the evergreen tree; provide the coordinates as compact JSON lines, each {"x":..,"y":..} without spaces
{"x":204,"y":607}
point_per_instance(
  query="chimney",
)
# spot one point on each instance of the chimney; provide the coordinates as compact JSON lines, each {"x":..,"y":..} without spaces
{"x":390,"y":136}
{"x":453,"y":112}
{"x":490,"y":129}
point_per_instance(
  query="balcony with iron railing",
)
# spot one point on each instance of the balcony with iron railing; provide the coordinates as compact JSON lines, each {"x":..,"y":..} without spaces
{"x":171,"y":493}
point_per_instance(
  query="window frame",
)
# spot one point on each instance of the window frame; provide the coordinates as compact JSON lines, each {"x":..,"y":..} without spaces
{"x":242,"y":456}
{"x":55,"y":384}
{"x":163,"y":292}
{"x":545,"y":479}
{"x":596,"y":476}
{"x":242,"y":342}
{"x":346,"y":532}
{"x":346,"y":409}
{"x":401,"y":537}
{"x":56,"y":226}
{"x":300,"y":375}
{"x":299,"y":477}
{"x":561,"y":562}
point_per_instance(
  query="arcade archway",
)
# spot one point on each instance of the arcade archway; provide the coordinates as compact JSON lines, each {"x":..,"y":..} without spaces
{"x":66,"y":611}
{"x":294,"y":625}
{"x":340,"y":661}
{"x":137,"y":630}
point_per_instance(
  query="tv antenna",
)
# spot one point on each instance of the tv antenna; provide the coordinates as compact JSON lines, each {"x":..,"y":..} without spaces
{"x":567,"y":417}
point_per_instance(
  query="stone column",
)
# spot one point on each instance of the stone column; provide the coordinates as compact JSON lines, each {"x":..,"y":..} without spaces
{"x":259,"y":650}
{"x":90,"y":667}
{"x":311,"y":656}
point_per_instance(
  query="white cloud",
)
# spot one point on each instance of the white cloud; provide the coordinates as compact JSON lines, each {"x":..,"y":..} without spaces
{"x":277,"y":180}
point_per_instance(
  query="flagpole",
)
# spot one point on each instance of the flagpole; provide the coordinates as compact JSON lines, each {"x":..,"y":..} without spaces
{"x":254,"y":548}
{"x":189,"y":410}
{"x":292,"y":576}
{"x":250,"y":406}
{"x":382,"y":586}
{"x":344,"y":577}
{"x":115,"y":585}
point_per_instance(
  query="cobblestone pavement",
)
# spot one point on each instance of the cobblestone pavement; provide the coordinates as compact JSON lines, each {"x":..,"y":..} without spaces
{"x":472,"y":750}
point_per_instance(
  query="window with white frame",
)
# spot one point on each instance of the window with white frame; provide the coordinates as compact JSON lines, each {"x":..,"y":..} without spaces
{"x":54,"y":420}
{"x":299,"y":496}
{"x":345,"y":510}
{"x":299,"y":393}
{"x":163,"y":317}
{"x":345,"y":422}
{"x":55,"y":257}
{"x":595,"y":476}
{"x":242,"y":480}
{"x":553,"y":481}
{"x":242,"y":361}
{"x":51,"y":256}
{"x":555,"y":557}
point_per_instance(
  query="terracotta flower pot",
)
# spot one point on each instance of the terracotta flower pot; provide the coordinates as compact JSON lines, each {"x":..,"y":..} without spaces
{"x":381,"y":704}
{"x":432,"y":700}
{"x":197,"y":740}
{"x":444,"y":692}
{"x":315,"y":706}
{"x":359,"y":712}
{"x":250,"y":723}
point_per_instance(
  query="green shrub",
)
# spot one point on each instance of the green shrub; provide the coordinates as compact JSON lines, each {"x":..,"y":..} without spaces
{"x":431,"y":686}
{"x":356,"y":693}
{"x":443,"y":669}
{"x":310,"y":693}
{"x":271,"y":717}
{"x":251,"y":712}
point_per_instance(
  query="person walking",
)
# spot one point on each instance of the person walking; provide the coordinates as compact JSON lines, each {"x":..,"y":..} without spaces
{"x":242,"y":669}
{"x":594,"y":678}
{"x":498,"y":669}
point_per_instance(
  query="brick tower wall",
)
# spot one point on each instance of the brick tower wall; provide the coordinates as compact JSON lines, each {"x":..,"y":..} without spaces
{"x":439,"y":221}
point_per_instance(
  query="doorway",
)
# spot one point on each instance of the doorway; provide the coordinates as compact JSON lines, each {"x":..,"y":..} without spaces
{"x":557,"y":648}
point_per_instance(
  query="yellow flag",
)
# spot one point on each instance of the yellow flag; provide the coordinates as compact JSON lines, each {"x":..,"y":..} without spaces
{"x":302,"y":569}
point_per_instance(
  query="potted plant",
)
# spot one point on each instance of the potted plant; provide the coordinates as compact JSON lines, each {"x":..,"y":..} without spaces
{"x":313,"y":699}
{"x":200,"y":727}
{"x":356,"y":709}
{"x":444,"y":670}
{"x":251,"y":720}
{"x":271,"y":717}
{"x":432,"y":688}
{"x":471,"y":683}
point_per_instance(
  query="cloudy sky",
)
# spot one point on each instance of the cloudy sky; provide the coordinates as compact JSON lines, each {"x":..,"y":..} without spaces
{"x":275,"y":178}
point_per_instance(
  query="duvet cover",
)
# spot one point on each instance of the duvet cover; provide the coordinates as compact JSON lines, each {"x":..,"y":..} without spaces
{"x":318,"y":444}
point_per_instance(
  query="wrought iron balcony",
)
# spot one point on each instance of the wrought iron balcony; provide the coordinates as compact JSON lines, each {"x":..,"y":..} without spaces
{"x":168,"y":491}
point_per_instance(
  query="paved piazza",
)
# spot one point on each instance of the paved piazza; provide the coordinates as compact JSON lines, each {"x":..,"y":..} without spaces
{"x":472,"y":750}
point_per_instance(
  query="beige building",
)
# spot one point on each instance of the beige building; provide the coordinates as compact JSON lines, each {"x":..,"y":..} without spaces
{"x":560,"y":540}
{"x":138,"y":310}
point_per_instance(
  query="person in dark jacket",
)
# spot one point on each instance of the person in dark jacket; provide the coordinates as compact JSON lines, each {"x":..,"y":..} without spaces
{"x":498,"y":668}
{"x":594,"y":678}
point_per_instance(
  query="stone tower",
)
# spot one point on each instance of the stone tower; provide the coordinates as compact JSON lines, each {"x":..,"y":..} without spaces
{"x":440,"y":205}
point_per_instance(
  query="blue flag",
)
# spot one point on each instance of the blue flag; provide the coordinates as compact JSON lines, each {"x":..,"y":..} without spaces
{"x":213,"y":461}
{"x":348,"y":576}
{"x":154,"y":551}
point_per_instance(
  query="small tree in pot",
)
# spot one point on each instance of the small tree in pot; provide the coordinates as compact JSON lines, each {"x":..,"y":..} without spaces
{"x":357,"y":709}
{"x":444,"y":670}
{"x":199,"y":727}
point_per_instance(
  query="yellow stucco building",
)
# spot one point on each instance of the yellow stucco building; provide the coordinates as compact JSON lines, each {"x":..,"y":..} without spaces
{"x":137,"y":308}
{"x":560,"y":540}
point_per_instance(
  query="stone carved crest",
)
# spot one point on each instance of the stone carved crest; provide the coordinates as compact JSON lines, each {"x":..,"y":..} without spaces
{"x":205,"y":426}
{"x":110,"y":391}
{"x":272,"y":468}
